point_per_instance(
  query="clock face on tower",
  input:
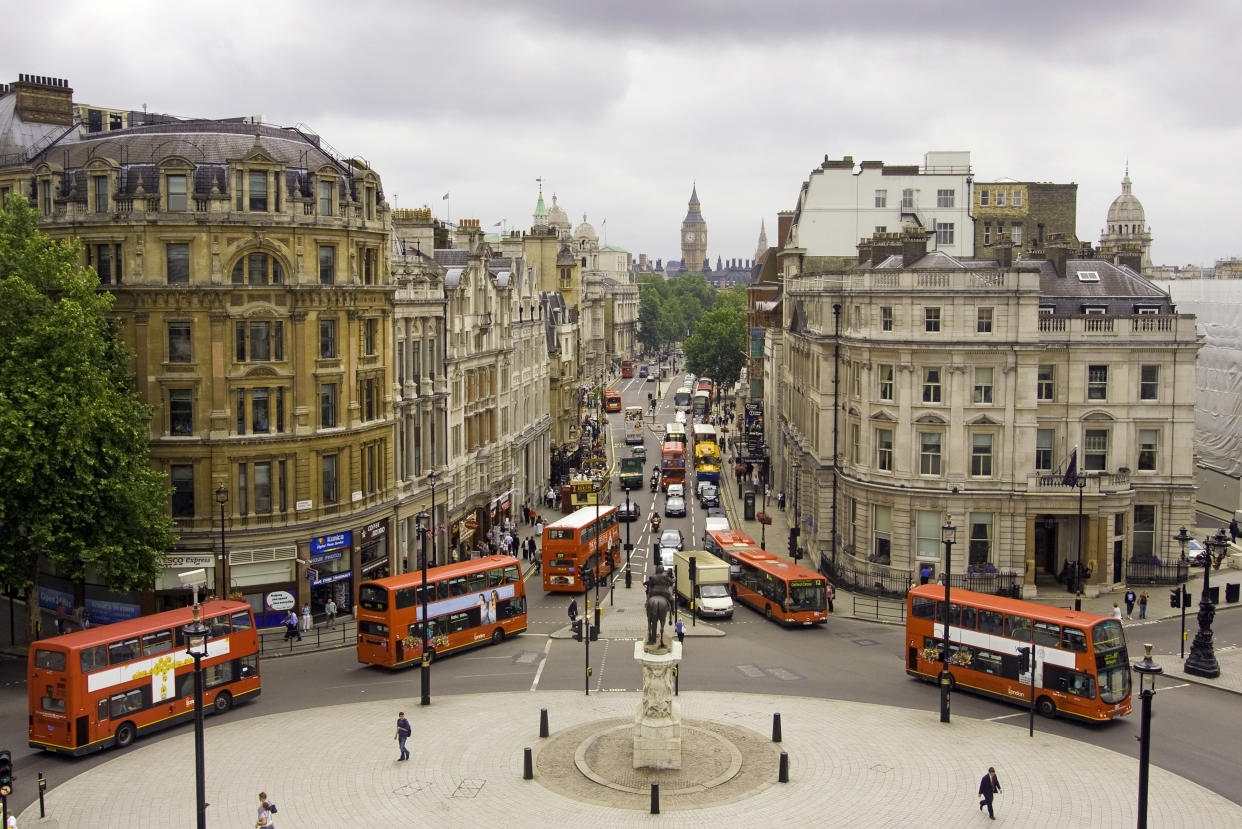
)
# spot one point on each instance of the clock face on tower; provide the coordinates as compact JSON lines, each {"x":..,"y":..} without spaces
{"x":690,"y":236}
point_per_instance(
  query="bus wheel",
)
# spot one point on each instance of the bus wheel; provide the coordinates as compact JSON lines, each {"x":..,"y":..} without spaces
{"x":1046,"y":707}
{"x":767,"y":611}
{"x":498,"y":636}
{"x":126,"y":734}
{"x":223,"y":702}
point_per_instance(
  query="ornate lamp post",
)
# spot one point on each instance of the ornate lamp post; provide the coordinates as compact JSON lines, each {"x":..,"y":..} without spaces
{"x":1183,"y":538}
{"x":1075,"y":584}
{"x":948,"y":534}
{"x":1147,"y":671}
{"x":1202,"y":659}
{"x":222,"y":498}
{"x":797,"y":467}
{"x":195,"y":635}
{"x":428,"y":527}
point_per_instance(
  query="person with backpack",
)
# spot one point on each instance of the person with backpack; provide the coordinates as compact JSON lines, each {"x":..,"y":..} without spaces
{"x":266,"y":810}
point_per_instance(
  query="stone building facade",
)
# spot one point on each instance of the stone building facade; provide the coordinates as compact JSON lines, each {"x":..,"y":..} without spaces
{"x":965,"y":387}
{"x":1025,"y":214}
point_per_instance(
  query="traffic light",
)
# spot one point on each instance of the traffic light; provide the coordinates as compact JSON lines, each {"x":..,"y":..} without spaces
{"x":793,"y":542}
{"x":1024,"y":660}
{"x":576,"y":627}
{"x":1175,"y":597}
{"x":6,"y":772}
{"x":694,"y":571}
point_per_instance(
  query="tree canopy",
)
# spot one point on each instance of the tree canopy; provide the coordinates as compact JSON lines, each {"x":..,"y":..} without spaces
{"x":77,"y":489}
{"x":717,"y":348}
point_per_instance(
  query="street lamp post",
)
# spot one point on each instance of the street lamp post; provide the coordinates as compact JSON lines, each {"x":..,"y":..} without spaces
{"x":1075,"y":584}
{"x":1147,"y":671}
{"x":195,"y":635}
{"x":948,"y":534}
{"x":797,"y":534}
{"x":1183,"y":538}
{"x":222,"y":498}
{"x":429,"y":529}
{"x":599,"y":567}
{"x":1202,"y":659}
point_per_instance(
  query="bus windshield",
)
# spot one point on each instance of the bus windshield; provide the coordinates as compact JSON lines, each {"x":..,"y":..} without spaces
{"x":1112,"y":662}
{"x":807,"y":595}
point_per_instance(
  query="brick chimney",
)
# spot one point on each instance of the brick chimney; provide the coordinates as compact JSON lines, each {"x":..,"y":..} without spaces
{"x":913,"y":246}
{"x":864,"y":250}
{"x":1129,"y":255}
{"x":884,"y":245}
{"x":1002,"y":249}
{"x":42,"y":100}
{"x":1058,"y":252}
{"x":784,"y":221}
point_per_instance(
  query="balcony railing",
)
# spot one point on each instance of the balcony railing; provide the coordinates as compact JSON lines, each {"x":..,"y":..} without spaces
{"x":1154,"y":571}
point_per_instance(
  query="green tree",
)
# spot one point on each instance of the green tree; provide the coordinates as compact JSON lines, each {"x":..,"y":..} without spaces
{"x":734,"y":297}
{"x":717,"y":349}
{"x":77,"y":489}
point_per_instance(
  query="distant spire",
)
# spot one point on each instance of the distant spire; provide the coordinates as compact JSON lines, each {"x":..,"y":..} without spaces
{"x":694,"y":194}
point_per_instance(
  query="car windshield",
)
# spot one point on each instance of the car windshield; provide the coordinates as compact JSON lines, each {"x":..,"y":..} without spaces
{"x":713,"y":591}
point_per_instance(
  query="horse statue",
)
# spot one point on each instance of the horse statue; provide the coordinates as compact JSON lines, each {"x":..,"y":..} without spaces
{"x":659,"y":606}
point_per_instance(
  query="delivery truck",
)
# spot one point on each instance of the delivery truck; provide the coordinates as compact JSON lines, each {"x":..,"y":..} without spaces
{"x":710,"y":592}
{"x":632,"y":473}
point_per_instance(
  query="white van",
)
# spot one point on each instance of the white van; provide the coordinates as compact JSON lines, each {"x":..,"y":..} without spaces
{"x":716,"y":522}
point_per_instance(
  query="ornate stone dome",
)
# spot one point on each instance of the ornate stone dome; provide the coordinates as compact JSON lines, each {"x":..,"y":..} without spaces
{"x":1126,"y":214}
{"x":556,"y":216}
{"x":585,"y":231}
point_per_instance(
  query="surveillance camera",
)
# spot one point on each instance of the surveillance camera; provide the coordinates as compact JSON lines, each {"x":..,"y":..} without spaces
{"x":193,"y":578}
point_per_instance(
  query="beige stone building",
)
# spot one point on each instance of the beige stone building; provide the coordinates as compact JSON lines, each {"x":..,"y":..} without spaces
{"x":965,"y":388}
{"x":250,"y":271}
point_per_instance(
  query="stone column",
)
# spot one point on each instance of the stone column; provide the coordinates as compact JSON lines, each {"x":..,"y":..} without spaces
{"x":657,"y":725}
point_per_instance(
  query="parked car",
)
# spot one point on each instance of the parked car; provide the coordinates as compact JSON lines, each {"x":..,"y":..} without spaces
{"x":627,"y":511}
{"x":672,"y":538}
{"x":1196,"y":553}
{"x":675,"y":506}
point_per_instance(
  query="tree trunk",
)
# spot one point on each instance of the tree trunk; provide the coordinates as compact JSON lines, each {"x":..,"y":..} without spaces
{"x":33,"y":613}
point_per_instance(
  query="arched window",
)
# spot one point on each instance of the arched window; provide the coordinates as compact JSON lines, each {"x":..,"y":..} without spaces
{"x":258,"y":269}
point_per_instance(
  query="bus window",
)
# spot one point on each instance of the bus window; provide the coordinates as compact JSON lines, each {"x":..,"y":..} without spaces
{"x":373,"y":597}
{"x":123,"y":651}
{"x":476,"y":582}
{"x":991,"y":621}
{"x":50,"y":660}
{"x":215,"y":675}
{"x":1108,"y":636}
{"x":1069,"y":681}
{"x":50,"y":703}
{"x":1018,"y":627}
{"x":442,"y":589}
{"x":104,"y":706}
{"x":430,"y":590}
{"x":128,"y":702}
{"x":923,"y":608}
{"x":1073,"y":639}
{"x":218,"y":626}
{"x":457,"y":586}
{"x":241,"y":621}
{"x":458,"y":622}
{"x":404,"y":598}
{"x":1048,"y":633}
{"x":512,"y":574}
{"x":954,"y":611}
{"x":156,"y":643}
{"x":967,"y":619}
{"x":374,"y":629}
{"x":94,"y":658}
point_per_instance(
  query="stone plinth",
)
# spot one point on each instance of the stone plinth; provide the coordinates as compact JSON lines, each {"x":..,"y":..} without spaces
{"x":657,"y":725}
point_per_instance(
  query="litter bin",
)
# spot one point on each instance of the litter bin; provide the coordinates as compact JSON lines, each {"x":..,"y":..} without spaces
{"x":1214,"y":594}
{"x":748,"y":501}
{"x":1231,"y":591}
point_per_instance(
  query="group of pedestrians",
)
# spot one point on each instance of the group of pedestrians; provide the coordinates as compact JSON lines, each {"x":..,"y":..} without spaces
{"x":294,"y":628}
{"x":1130,"y":600}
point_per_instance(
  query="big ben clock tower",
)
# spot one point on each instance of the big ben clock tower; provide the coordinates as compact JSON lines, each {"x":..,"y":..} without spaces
{"x":693,"y":236}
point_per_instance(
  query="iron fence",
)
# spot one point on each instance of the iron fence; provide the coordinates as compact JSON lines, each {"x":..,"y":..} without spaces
{"x":873,"y":579}
{"x":1156,"y":572}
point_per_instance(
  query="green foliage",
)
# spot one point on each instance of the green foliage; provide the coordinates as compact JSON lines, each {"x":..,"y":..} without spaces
{"x":717,"y":349}
{"x":77,"y":488}
{"x":734,"y":297}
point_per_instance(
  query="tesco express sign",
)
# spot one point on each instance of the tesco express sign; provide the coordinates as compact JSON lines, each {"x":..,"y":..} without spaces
{"x":280,"y":600}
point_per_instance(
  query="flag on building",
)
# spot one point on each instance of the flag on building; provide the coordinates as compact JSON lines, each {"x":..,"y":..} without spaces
{"x":497,"y":224}
{"x":1071,"y":471}
{"x":444,"y":197}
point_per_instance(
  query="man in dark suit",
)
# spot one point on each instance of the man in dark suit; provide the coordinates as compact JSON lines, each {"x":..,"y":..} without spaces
{"x":988,"y":786}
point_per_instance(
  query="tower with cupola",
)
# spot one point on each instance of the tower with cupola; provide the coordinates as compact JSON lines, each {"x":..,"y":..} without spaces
{"x":693,"y":236}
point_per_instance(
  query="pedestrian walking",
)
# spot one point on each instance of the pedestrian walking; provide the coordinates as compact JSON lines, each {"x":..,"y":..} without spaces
{"x":61,"y":616}
{"x":989,"y":786}
{"x":1130,"y":599}
{"x":925,"y":574}
{"x":403,"y":731}
{"x":1234,"y":532}
{"x":307,"y":621}
{"x":573,"y":609}
{"x":291,"y":626}
{"x":830,"y":594}
{"x":266,"y":810}
{"x":1143,"y":605}
{"x":780,"y":500}
{"x":681,"y":631}
{"x":329,"y":612}
{"x":1117,"y":612}
{"x":539,"y":528}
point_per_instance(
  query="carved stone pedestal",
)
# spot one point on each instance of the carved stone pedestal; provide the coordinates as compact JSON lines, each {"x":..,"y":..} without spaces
{"x":657,"y":726}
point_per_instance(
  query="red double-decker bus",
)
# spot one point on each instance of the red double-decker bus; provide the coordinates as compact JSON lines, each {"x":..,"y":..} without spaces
{"x":105,"y":686}
{"x":587,"y":541}
{"x":1081,"y":670}
{"x":627,"y":368}
{"x":469,"y":603}
{"x":672,"y":464}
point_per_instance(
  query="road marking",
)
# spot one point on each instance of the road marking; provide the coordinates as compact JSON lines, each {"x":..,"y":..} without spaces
{"x":1008,"y":716}
{"x":749,"y":671}
{"x":480,"y":676}
{"x":547,"y":646}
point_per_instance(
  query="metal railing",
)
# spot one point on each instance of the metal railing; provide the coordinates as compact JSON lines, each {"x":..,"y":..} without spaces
{"x":344,"y":633}
{"x":1156,"y":572}
{"x":998,"y":584}
{"x":867,"y":579}
{"x":881,"y":610}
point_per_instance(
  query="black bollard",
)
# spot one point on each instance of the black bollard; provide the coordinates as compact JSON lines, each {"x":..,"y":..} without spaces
{"x":543,"y":722}
{"x":629,"y":579}
{"x":655,"y":798}
{"x":528,"y":765}
{"x":783,"y":775}
{"x":776,"y":728}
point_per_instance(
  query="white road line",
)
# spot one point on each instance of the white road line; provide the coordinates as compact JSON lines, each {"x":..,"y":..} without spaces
{"x":547,"y":647}
{"x":1008,"y":716}
{"x":479,"y":676}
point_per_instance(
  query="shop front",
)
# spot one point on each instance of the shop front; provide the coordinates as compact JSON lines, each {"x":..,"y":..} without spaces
{"x":373,"y":550}
{"x":263,"y":577}
{"x":331,"y":564}
{"x":170,"y":593}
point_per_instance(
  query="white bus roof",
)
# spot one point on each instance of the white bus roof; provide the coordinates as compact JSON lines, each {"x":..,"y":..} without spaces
{"x":580,"y":518}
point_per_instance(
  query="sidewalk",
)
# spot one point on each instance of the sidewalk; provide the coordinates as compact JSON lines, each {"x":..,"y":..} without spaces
{"x":852,"y":764}
{"x":1158,"y":608}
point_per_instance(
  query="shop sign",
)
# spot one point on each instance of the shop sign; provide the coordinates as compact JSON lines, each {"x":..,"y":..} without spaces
{"x":322,"y":558}
{"x":374,"y":530}
{"x":105,"y":613}
{"x":190,"y":561}
{"x":331,"y":578}
{"x":335,"y":541}
{"x":280,"y":600}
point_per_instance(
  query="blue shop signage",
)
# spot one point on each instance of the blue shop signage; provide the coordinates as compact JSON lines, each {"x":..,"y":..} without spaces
{"x":330,"y":547}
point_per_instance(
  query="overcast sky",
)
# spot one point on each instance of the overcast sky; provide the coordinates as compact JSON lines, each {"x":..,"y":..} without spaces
{"x":621,"y":106}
